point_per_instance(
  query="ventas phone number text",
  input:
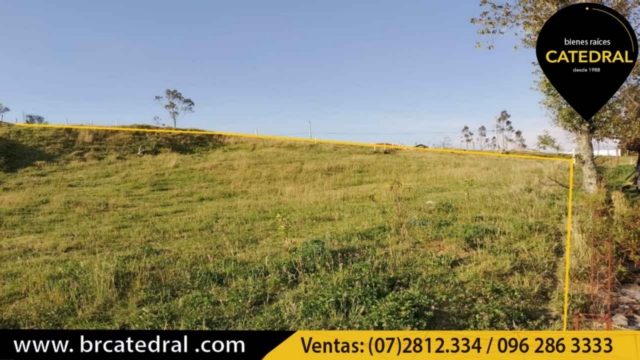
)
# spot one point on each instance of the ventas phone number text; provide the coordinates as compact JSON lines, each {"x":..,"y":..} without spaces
{"x":463,"y":345}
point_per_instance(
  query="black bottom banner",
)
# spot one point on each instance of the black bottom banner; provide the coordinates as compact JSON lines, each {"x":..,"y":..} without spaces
{"x":347,"y":345}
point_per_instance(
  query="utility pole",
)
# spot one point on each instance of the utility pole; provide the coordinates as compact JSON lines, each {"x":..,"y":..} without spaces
{"x":310,"y":137}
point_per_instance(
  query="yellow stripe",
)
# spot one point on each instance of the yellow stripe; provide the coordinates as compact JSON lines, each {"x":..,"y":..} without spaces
{"x":568,"y":250}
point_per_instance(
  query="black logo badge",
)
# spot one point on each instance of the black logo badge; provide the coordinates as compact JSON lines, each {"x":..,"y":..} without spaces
{"x":587,"y":51}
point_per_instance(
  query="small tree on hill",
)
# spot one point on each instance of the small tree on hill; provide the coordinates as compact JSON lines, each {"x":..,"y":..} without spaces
{"x":467,"y":135}
{"x":482,"y":137}
{"x":502,"y":123}
{"x":494,"y":143}
{"x":446,"y":142}
{"x":520,"y":140}
{"x":158,"y":121}
{"x":175,"y":104}
{"x":546,"y":141}
{"x":34,"y":119}
{"x":509,"y":134}
{"x":3,"y":109}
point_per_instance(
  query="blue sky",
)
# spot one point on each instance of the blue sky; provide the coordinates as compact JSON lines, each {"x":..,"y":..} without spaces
{"x":394,"y":71}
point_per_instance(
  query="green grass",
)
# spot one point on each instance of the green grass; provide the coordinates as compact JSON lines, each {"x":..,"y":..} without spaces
{"x":273,"y":235}
{"x":616,"y":173}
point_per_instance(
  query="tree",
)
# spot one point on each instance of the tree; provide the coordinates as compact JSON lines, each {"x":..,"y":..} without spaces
{"x":525,"y":18}
{"x":482,"y":137}
{"x":503,"y":127}
{"x":502,"y":122}
{"x":546,"y":141}
{"x":508,"y":134}
{"x":494,"y":143}
{"x":520,"y":140}
{"x":467,"y":135}
{"x":34,"y":119}
{"x":176,"y":105}
{"x":3,"y":109}
{"x":635,"y":146}
{"x":158,"y":121}
{"x":446,"y":143}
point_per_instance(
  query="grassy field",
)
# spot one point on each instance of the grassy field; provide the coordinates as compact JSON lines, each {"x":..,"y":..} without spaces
{"x":218,"y":233}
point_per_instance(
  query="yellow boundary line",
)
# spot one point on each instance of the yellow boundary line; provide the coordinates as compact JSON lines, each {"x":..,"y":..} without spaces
{"x":568,"y":249}
{"x":361,"y":144}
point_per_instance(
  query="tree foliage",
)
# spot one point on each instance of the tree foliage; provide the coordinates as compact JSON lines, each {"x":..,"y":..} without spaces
{"x":483,"y":140}
{"x":506,"y":134}
{"x":501,"y":126}
{"x":467,"y":135}
{"x":158,"y":121}
{"x":34,"y":119}
{"x":548,"y":142}
{"x":619,"y":119}
{"x":520,"y":141}
{"x":525,"y":18}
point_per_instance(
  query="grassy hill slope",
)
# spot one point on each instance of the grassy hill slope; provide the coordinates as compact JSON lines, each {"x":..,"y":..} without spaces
{"x":206,"y":232}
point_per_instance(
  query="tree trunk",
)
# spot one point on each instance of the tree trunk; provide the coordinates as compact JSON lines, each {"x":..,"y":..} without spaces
{"x":587,"y":162}
{"x":638,"y":170}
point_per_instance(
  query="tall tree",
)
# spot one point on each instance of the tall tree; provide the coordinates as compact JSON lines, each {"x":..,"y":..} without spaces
{"x":3,"y":109}
{"x":482,"y":137}
{"x":176,"y":105}
{"x":503,"y":125}
{"x":525,"y":18}
{"x":509,"y":134}
{"x":467,"y":135}
{"x":521,"y":143}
